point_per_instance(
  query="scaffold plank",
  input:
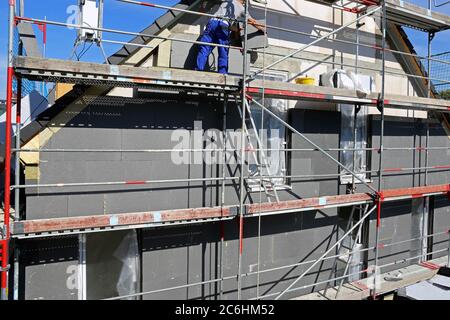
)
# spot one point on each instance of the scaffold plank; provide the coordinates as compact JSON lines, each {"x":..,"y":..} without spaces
{"x":309,"y":203}
{"x":21,"y":229}
{"x":416,"y":192}
{"x":93,"y":73}
{"x":292,"y":91}
{"x":360,"y":289}
{"x":119,"y":75}
{"x":118,"y":220}
{"x":408,"y":14}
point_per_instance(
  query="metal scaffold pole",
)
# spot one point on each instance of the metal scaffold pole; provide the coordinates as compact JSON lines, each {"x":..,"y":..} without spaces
{"x":379,"y":199}
{"x":242,"y":160}
{"x":350,"y":253}
{"x":17,"y":166}
{"x":371,"y":200}
{"x":258,"y":253}
{"x":448,"y":251}
{"x":17,"y":154}
{"x":289,"y":266}
{"x":369,"y":13}
{"x":426,"y":200}
{"x":333,"y":271}
{"x":223,"y":186}
{"x":17,"y":181}
{"x":7,"y":170}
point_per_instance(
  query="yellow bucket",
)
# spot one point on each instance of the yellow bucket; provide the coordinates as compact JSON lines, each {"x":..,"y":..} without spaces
{"x":305,"y":80}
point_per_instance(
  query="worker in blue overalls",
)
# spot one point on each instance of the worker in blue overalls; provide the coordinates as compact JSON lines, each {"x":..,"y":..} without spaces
{"x":218,"y":31}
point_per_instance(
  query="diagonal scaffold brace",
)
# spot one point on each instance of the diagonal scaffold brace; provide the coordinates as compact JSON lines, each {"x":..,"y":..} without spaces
{"x":363,"y":218}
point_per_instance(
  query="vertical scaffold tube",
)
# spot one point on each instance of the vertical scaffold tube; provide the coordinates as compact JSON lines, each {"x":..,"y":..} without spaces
{"x":18,"y":128}
{"x":7,"y":184}
{"x":222,"y":199}
{"x":426,"y":200}
{"x":380,"y":169}
{"x":241,"y":188}
{"x":15,"y":281}
{"x":448,"y":253}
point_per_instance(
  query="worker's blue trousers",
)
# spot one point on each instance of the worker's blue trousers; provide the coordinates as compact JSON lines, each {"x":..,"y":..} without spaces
{"x":216,"y":32}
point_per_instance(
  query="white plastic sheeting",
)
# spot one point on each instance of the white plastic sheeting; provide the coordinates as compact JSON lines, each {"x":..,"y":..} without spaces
{"x":112,"y":264}
{"x":418,"y":222}
{"x":128,"y":253}
{"x":354,"y":260}
{"x":363,"y":85}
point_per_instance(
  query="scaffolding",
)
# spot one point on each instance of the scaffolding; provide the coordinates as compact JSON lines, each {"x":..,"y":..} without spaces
{"x":243,"y":90}
{"x":440,"y":71}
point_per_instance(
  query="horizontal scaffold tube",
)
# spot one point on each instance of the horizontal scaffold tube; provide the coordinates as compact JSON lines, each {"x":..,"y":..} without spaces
{"x":164,"y":181}
{"x":356,"y":283}
{"x":369,"y":13}
{"x":158,"y":6}
{"x":154,"y":218}
{"x":406,"y":75}
{"x":189,"y":285}
{"x":227,"y":149}
{"x":140,"y":34}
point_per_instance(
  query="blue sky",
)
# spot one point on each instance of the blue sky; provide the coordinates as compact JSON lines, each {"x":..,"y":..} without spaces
{"x":419,"y":39}
{"x":60,"y":40}
{"x":135,"y":18}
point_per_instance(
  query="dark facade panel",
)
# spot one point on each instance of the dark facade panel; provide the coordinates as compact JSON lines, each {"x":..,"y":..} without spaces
{"x":49,"y":269}
{"x":396,"y":225}
{"x":182,"y":255}
{"x":441,"y":223}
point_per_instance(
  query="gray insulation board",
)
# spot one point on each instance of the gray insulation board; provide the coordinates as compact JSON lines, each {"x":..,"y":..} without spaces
{"x":49,"y":269}
{"x":396,"y":226}
{"x":441,"y":223}
{"x":178,"y":256}
{"x":150,"y":126}
{"x":398,"y":222}
{"x":407,"y":133}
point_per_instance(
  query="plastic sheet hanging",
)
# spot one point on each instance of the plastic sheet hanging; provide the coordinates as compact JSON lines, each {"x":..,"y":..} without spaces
{"x":128,"y":253}
{"x":112,"y":264}
{"x":363,"y":85}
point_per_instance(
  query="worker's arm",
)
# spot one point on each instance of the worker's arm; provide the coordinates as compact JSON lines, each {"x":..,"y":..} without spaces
{"x":257,"y":25}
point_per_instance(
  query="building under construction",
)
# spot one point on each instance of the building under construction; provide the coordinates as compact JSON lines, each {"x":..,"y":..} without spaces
{"x":318,"y":168}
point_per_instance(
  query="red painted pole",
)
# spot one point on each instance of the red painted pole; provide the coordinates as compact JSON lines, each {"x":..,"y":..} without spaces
{"x":378,"y":213}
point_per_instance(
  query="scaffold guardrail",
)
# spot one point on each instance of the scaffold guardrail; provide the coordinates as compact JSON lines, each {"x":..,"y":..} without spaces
{"x":241,"y":88}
